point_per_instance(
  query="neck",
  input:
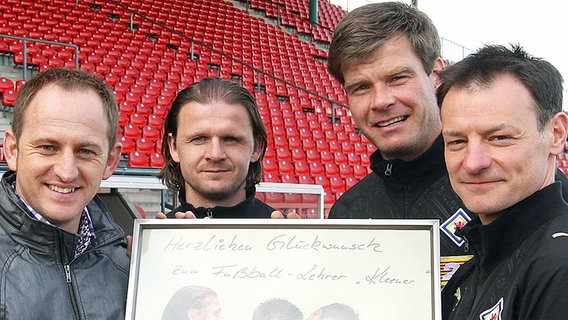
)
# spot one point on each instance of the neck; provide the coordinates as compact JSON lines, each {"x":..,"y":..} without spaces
{"x":210,"y":201}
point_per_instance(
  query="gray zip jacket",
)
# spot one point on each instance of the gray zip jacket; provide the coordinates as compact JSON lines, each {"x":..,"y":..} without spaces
{"x":40,"y":279}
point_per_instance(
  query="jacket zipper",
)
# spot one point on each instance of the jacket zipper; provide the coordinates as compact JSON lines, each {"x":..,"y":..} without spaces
{"x":459,"y":232}
{"x":71,"y":292}
{"x":209,"y":213}
{"x":69,"y":278}
{"x":388,"y":170}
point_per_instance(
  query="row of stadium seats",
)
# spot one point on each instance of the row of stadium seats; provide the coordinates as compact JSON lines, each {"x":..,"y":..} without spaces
{"x":147,"y":64}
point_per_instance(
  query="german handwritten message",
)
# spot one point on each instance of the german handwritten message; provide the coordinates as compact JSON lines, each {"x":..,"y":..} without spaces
{"x":380,"y":273}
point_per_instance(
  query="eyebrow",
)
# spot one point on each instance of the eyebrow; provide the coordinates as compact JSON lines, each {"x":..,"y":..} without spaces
{"x":391,"y":73}
{"x":453,"y":133}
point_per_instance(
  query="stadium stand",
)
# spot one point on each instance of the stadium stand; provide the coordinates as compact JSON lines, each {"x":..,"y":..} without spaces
{"x":148,"y":50}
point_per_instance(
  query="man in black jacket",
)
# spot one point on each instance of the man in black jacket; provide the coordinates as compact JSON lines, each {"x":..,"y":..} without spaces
{"x":503,"y":126}
{"x":213,"y":145}
{"x":61,"y":254}
{"x":387,"y":56}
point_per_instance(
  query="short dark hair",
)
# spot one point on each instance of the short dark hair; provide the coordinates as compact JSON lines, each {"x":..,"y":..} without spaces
{"x":208,"y":91}
{"x":69,"y":80}
{"x":542,"y":80}
{"x":364,"y":30}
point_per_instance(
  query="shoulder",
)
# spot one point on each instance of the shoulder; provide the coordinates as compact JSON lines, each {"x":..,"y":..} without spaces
{"x":550,"y":258}
{"x":368,"y":189}
{"x":263,"y":209}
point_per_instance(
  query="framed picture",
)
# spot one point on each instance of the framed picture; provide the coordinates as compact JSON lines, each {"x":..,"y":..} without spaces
{"x":371,"y":269}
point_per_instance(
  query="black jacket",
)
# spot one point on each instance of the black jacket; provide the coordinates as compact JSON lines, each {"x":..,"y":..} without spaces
{"x":40,"y":279}
{"x":520,"y":264}
{"x":404,"y":190}
{"x":251,"y":207}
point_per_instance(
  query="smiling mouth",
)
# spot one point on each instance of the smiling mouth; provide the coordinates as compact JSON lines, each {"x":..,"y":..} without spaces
{"x":391,"y":121}
{"x":61,"y":190}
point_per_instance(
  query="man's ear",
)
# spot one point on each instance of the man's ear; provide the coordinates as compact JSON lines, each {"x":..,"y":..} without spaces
{"x":559,"y":127}
{"x":172,"y":147}
{"x":10,"y":150}
{"x":257,"y":152}
{"x":113,"y":160}
{"x":437,"y":67}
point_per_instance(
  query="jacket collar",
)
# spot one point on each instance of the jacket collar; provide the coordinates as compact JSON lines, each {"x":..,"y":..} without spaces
{"x":494,"y":242}
{"x":419,"y":169}
{"x":220,"y":211}
{"x":47,"y":238}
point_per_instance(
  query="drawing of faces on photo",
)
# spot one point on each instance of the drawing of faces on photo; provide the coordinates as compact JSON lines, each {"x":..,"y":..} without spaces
{"x":277,"y":309}
{"x":193,"y":303}
{"x":334,"y":311}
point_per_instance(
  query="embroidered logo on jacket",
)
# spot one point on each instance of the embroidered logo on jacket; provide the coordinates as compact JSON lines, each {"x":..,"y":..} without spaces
{"x":449,"y":266}
{"x":456,"y":221}
{"x":493,"y":313}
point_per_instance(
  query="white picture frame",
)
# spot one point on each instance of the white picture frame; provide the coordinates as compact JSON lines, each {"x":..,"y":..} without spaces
{"x":383,"y":269}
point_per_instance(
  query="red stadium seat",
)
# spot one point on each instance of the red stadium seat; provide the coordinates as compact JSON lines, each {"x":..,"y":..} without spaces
{"x":6,"y":84}
{"x":160,"y":111}
{"x":270,"y":177}
{"x":298,"y":154}
{"x":334,"y":146}
{"x":156,"y":160}
{"x":312,"y":155}
{"x":137,"y":159}
{"x":9,"y":98}
{"x":273,"y":198}
{"x":323,"y":181}
{"x":350,"y":182}
{"x":340,"y":158}
{"x":143,"y":109}
{"x":359,"y":171}
{"x":283,"y":154}
{"x":345,"y":170}
{"x":155,"y":121}
{"x":305,"y":179}
{"x":280,"y":141}
{"x":137,"y":119}
{"x":353,"y":158}
{"x":301,"y":168}
{"x":309,"y":144}
{"x":288,"y":178}
{"x":285,"y":167}
{"x":322,"y":145}
{"x":347,"y":147}
{"x":144,"y":145}
{"x":269,"y":166}
{"x":150,"y":132}
{"x":294,"y":143}
{"x":326,"y":157}
{"x":365,"y":159}
{"x":316,"y":169}
{"x":331,"y":169}
{"x":127,"y":145}
{"x":337,"y":184}
{"x":132,"y":131}
{"x":19,"y":84}
{"x":122,"y":119}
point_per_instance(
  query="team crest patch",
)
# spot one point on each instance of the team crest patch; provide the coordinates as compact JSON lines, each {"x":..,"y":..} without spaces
{"x":457,"y":220}
{"x":494,"y":313}
{"x":449,"y":265}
